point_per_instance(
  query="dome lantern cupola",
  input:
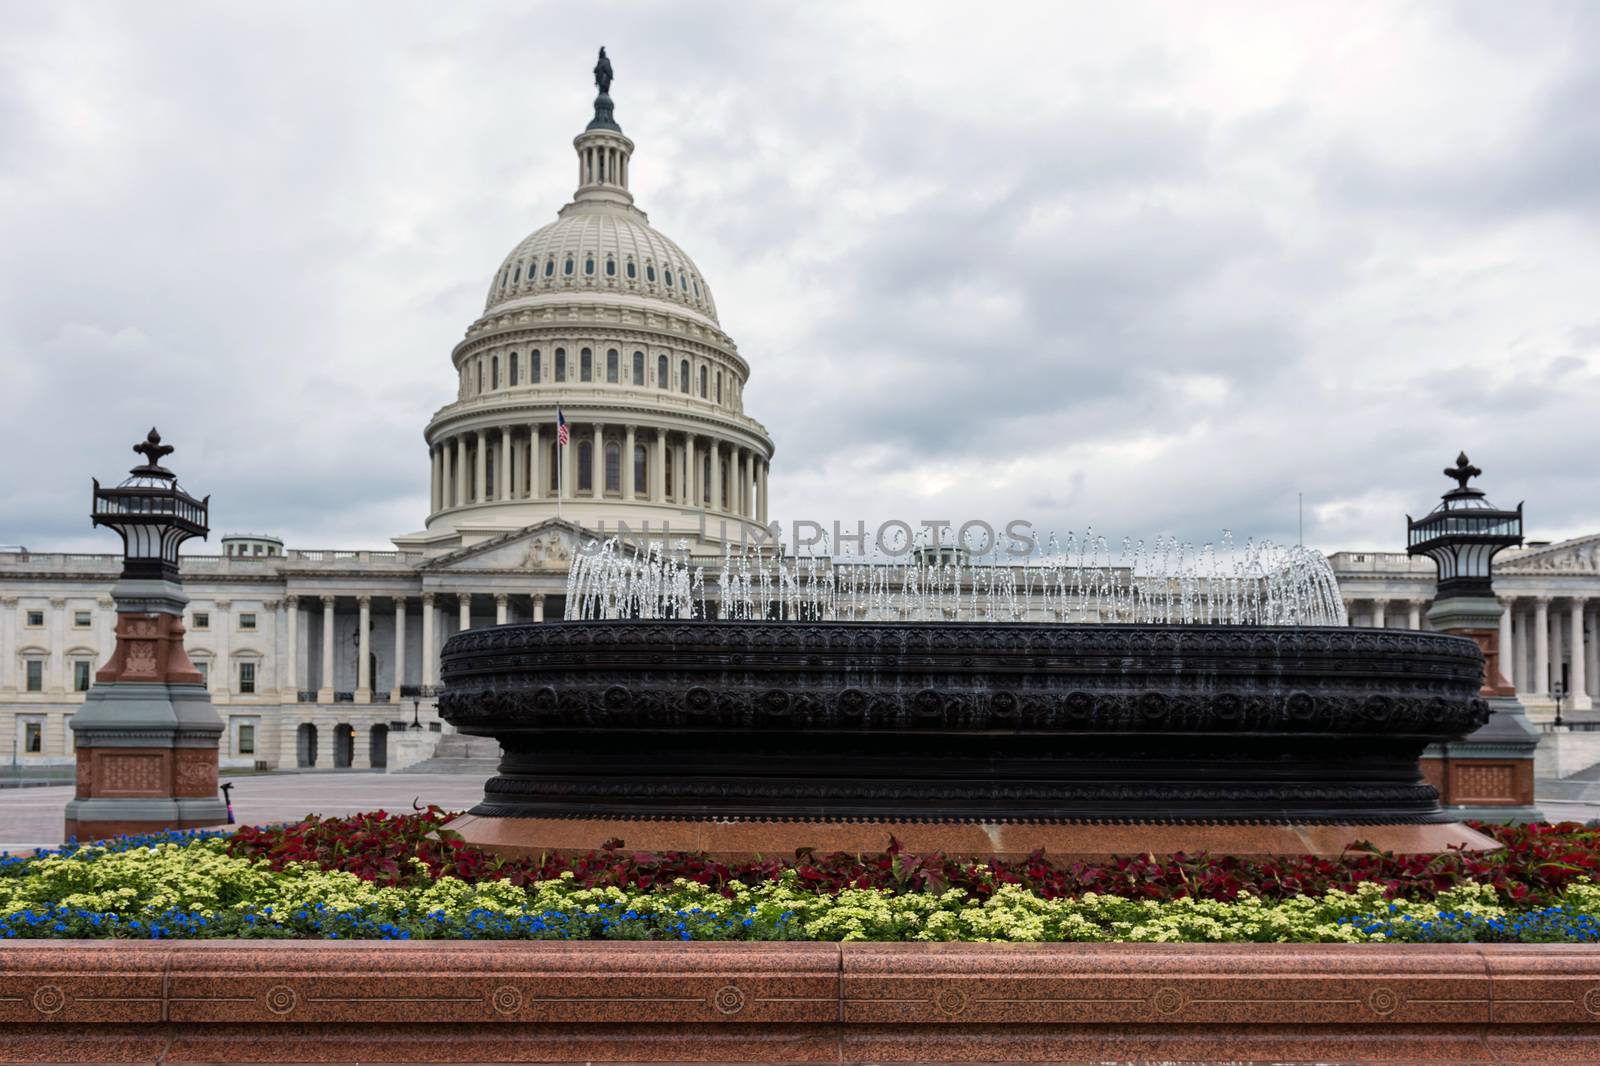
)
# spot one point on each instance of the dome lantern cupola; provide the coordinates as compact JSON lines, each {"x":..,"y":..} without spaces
{"x":603,"y":151}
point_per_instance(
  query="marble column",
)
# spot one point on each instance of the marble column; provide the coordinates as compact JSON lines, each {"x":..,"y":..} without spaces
{"x":1413,"y":614}
{"x":399,"y":648}
{"x":658,"y":469}
{"x":433,"y":483}
{"x":461,"y":476}
{"x":291,"y":647}
{"x":466,"y":610}
{"x":536,"y":474}
{"x":325,"y":693}
{"x":8,"y":645}
{"x":430,"y":654}
{"x":1508,"y":651}
{"x":716,"y":475}
{"x":1541,"y":646}
{"x":503,"y":474}
{"x":761,"y":491}
{"x":1379,"y":608}
{"x":627,"y":463}
{"x":691,"y":481}
{"x":499,"y":608}
{"x":569,"y":467}
{"x":1578,"y":689}
{"x":364,"y":650}
{"x":1591,"y":644}
{"x":538,"y":607}
{"x":480,"y":477}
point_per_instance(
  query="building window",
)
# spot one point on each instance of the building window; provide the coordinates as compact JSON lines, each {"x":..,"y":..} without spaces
{"x":480,"y":375}
{"x":633,"y":271}
{"x":566,"y":268}
{"x":247,"y":620}
{"x":638,"y":368}
{"x":613,"y":467}
{"x":588,"y":266}
{"x":611,"y":268}
{"x":533,"y":366}
{"x":202,"y":620}
{"x":549,"y":267}
{"x":667,"y":474}
{"x":246,"y":743}
{"x":719,"y":386}
{"x":34,"y":669}
{"x":612,"y":372}
{"x":585,"y":470}
{"x":247,"y":678}
{"x":702,"y":383}
{"x":650,"y":271}
{"x":203,"y":668}
{"x":667,"y":274}
{"x":705,"y":480}
{"x":35,"y":619}
{"x":82,"y":619}
{"x":697,"y":288}
{"x":561,"y":364}
{"x":683,"y":377}
{"x":494,"y":373}
{"x":585,"y":365}
{"x":512,"y":368}
{"x":639,"y":469}
{"x":32,"y":738}
{"x":663,"y":378}
{"x":80,"y":675}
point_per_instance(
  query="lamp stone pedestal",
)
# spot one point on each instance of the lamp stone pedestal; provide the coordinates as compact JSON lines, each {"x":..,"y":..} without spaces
{"x":147,"y":735}
{"x":1488,"y":774}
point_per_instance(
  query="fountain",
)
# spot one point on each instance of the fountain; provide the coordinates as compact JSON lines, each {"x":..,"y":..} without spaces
{"x":1166,"y":699}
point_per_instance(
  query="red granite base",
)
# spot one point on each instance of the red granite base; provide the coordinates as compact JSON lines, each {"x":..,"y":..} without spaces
{"x":523,"y":837}
{"x":300,"y":1001}
{"x":105,"y":830}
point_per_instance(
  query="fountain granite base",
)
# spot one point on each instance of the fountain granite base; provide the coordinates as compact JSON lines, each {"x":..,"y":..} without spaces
{"x":745,"y":737}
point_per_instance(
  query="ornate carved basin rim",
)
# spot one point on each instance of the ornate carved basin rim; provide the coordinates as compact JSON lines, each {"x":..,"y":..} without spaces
{"x":855,"y":676}
{"x":965,"y":722}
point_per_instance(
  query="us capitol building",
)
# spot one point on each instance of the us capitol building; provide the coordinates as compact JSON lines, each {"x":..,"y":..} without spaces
{"x":313,"y":657}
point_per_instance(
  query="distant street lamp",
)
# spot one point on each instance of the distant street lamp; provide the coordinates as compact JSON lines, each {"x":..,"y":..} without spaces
{"x":416,"y":709}
{"x":1558,"y":690}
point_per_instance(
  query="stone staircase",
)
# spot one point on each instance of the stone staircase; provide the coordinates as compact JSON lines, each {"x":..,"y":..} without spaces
{"x":458,"y":753}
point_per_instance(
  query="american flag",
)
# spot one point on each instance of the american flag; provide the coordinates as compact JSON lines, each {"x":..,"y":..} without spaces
{"x":562,"y":436}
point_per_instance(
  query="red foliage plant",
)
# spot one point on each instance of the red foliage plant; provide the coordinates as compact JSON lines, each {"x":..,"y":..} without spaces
{"x":1534,"y":864}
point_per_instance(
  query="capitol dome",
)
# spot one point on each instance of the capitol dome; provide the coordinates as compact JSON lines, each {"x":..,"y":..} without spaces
{"x":599,"y":322}
{"x":595,"y":246}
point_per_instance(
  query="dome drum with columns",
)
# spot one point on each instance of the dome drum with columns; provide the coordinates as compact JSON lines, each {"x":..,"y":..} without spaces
{"x":601,"y":316}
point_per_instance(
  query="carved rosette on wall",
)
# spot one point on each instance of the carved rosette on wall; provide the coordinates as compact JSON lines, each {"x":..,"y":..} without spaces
{"x":777,"y":720}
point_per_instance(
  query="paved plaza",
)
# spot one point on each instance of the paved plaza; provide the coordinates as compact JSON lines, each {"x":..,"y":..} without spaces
{"x":33,"y":817}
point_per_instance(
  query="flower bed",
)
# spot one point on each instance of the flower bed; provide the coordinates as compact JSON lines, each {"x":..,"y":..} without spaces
{"x":399,"y":877}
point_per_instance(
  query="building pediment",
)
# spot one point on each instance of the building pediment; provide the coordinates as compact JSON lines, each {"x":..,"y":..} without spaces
{"x":1580,"y":556}
{"x":547,"y":547}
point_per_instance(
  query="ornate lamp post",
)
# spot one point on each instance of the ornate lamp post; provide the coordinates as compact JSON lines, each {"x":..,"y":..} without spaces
{"x":1490,"y":773}
{"x":147,"y":734}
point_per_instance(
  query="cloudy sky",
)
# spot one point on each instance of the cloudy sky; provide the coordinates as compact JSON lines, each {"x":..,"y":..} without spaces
{"x":1155,"y":269}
